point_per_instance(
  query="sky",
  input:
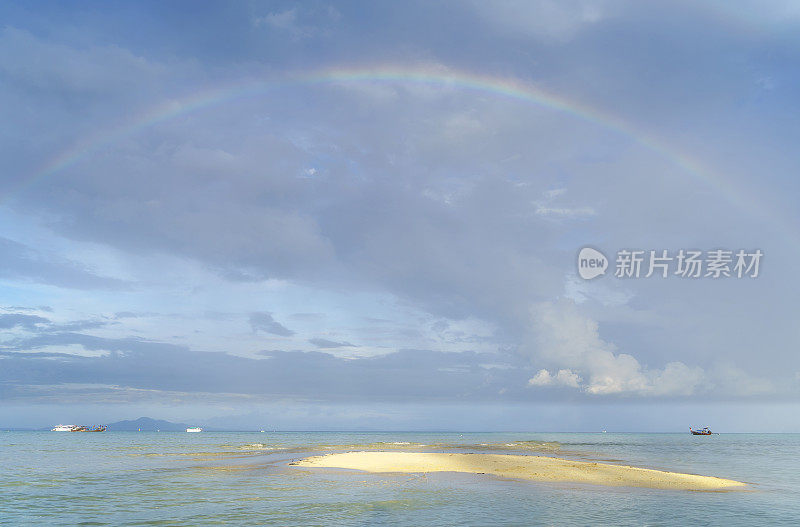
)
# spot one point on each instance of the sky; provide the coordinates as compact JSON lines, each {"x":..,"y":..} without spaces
{"x":367,"y":215}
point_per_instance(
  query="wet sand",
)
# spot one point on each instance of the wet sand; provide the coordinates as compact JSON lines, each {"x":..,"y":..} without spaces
{"x":537,"y":468}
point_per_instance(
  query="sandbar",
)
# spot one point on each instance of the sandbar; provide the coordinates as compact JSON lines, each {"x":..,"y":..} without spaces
{"x":537,"y":468}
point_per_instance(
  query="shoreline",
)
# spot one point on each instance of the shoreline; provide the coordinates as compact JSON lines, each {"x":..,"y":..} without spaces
{"x":534,"y":468}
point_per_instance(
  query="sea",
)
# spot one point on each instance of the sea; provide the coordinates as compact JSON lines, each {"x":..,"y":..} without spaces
{"x":246,"y":478}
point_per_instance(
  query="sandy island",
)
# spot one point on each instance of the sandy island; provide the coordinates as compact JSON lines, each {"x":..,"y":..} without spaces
{"x":538,"y":468}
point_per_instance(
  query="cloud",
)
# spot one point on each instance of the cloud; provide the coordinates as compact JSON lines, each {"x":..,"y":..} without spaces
{"x":676,"y":378}
{"x":99,"y":71}
{"x":13,"y":320}
{"x":285,"y":19}
{"x":300,"y":23}
{"x":731,"y":378}
{"x":565,"y":212}
{"x":546,"y":206}
{"x":325,"y":343}
{"x":566,"y":337}
{"x":549,"y":20}
{"x":20,"y":262}
{"x":264,"y":322}
{"x":128,"y":364}
{"x":446,"y":200}
{"x":562,"y":378}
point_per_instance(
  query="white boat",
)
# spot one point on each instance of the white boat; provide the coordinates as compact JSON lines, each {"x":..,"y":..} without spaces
{"x":194,"y":429}
{"x":64,"y":428}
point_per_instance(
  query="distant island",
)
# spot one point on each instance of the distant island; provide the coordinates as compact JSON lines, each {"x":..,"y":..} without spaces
{"x":146,"y":424}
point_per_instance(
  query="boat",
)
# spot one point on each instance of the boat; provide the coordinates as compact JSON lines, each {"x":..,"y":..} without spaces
{"x":100,"y":428}
{"x":194,"y":429}
{"x":77,"y":428}
{"x":63,"y":428}
{"x":705,"y":431}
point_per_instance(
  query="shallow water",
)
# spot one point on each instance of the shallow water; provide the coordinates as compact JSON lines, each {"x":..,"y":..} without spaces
{"x":244,"y":478}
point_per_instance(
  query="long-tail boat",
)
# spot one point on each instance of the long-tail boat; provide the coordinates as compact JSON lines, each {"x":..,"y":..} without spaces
{"x":705,"y":431}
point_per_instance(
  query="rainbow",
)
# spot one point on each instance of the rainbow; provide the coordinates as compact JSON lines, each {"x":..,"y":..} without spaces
{"x":509,"y":88}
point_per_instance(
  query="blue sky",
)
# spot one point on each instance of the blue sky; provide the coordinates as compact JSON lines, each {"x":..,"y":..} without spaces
{"x":384,"y":233}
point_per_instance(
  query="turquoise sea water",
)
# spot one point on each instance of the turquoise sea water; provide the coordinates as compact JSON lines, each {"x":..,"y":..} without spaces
{"x":244,"y":478}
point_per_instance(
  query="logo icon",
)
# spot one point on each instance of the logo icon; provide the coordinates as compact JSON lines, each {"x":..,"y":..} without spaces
{"x":591,"y":263}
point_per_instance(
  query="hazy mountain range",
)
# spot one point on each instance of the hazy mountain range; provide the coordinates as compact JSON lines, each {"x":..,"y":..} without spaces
{"x":147,"y":424}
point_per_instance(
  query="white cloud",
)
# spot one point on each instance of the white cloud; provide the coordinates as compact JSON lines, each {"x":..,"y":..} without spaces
{"x":562,"y":378}
{"x":566,"y":337}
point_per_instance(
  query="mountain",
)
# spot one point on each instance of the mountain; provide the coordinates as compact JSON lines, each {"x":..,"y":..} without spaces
{"x":146,"y":424}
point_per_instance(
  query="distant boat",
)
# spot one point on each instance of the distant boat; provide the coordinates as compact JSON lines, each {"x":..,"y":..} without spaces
{"x":87,"y":429}
{"x":64,"y":428}
{"x":705,"y":431}
{"x":194,"y":429}
{"x":100,"y":428}
{"x":77,"y":428}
